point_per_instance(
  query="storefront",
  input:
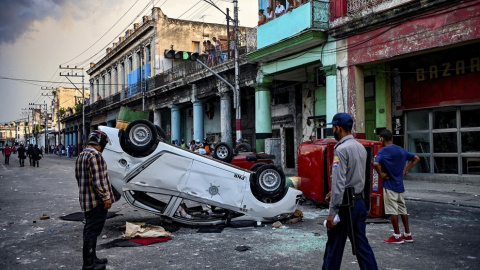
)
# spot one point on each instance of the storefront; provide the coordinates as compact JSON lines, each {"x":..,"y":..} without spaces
{"x":440,"y":101}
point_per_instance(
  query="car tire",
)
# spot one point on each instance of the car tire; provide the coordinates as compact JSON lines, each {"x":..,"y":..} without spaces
{"x":255,"y":166}
{"x":140,"y":137}
{"x":269,"y":181}
{"x":161,"y":133}
{"x":223,"y":152}
{"x":243,"y":147}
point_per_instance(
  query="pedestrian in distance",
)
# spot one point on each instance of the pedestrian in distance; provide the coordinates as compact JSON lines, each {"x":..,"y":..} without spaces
{"x":37,"y":155}
{"x":270,"y":15}
{"x":390,"y":165}
{"x":7,"y":151}
{"x":261,"y":17}
{"x":95,"y":196}
{"x":279,"y":9}
{"x":21,"y":155}
{"x":14,"y":149}
{"x":30,"y":154}
{"x":348,"y":173}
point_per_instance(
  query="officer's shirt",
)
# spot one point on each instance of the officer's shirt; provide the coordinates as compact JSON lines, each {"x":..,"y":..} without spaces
{"x":348,"y":170}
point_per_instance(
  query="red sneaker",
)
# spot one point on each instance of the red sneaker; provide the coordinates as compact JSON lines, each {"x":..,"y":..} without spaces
{"x":394,"y":240}
{"x":408,"y":239}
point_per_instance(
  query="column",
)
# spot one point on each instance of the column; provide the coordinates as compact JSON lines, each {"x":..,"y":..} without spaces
{"x":226,"y":117}
{"x":175,"y":122}
{"x":74,"y":137}
{"x":198,"y":133}
{"x":157,"y":118}
{"x":331,"y":86}
{"x":79,"y":139}
{"x":263,"y":112}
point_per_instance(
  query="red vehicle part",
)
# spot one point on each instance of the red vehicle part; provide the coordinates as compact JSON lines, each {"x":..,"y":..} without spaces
{"x":315,"y":169}
{"x":247,"y":159}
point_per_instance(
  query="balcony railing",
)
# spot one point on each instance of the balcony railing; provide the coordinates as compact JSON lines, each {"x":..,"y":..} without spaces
{"x":344,"y":8}
{"x":311,"y":15}
{"x":182,"y":70}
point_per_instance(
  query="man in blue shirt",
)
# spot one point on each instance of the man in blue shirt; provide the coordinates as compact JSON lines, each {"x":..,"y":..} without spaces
{"x":390,"y":165}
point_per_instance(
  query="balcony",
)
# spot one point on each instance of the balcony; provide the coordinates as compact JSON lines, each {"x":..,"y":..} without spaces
{"x":295,"y":31}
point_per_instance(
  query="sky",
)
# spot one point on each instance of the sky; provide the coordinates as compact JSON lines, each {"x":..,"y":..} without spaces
{"x":37,"y":36}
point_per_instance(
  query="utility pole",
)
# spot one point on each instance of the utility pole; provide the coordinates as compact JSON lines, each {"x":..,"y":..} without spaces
{"x":238,"y":122}
{"x":142,"y":75}
{"x":83,"y":94}
{"x":228,"y":33}
{"x":238,"y":111}
{"x":27,"y":135}
{"x":55,"y":96}
{"x":33,"y":119}
{"x":46,"y":120}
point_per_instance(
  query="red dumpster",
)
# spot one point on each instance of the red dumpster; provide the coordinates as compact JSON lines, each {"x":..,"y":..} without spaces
{"x":315,"y":160}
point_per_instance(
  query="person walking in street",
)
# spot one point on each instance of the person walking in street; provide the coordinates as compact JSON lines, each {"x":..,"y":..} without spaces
{"x":30,"y":154}
{"x":95,"y":195}
{"x":348,"y":172}
{"x":390,"y":165}
{"x":37,"y":155}
{"x":7,"y":151}
{"x":21,"y":155}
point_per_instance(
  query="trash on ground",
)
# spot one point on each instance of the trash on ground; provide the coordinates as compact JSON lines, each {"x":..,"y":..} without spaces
{"x":80,"y":216}
{"x":277,"y":224}
{"x":242,"y":248}
{"x":150,"y":231}
{"x":123,"y":227}
{"x":149,"y":241}
{"x":211,"y":229}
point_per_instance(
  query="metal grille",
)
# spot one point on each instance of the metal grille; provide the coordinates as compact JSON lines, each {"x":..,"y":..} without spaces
{"x":355,"y":6}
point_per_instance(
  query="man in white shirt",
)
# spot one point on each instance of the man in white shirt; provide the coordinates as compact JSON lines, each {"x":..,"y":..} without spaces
{"x":279,"y":10}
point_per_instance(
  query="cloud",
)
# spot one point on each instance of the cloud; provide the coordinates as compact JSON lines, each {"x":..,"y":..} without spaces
{"x":17,"y":16}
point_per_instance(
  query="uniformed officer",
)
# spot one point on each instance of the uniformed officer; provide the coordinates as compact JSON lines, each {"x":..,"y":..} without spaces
{"x":348,"y":172}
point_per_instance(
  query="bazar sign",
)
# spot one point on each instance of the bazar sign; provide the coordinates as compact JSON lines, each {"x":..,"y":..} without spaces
{"x":448,"y":69}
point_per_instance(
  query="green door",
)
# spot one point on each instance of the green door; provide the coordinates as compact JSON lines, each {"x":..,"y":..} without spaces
{"x":370,"y":119}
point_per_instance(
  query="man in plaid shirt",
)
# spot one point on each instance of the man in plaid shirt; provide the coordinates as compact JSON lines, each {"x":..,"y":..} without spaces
{"x":95,"y":195}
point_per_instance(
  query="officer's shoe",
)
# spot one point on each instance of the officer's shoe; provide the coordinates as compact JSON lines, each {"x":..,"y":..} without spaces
{"x":394,"y":240}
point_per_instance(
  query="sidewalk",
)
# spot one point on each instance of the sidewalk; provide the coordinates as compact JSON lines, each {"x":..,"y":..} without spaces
{"x":461,"y":194}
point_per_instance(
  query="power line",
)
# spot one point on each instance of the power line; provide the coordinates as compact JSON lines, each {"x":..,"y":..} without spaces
{"x":103,"y":34}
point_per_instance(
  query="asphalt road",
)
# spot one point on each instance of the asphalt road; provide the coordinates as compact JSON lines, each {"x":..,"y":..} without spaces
{"x":446,"y":236}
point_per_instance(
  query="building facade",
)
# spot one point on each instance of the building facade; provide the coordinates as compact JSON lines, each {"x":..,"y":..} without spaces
{"x":297,"y":67}
{"x":414,"y":67}
{"x":183,"y":97}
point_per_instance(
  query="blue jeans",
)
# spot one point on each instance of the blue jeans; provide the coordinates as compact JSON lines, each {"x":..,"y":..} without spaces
{"x":337,"y":236}
{"x":94,"y":222}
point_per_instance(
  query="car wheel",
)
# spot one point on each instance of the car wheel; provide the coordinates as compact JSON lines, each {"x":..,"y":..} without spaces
{"x":243,"y":147}
{"x":223,"y":152}
{"x":269,"y":181}
{"x":140,"y":136}
{"x":161,"y":133}
{"x":255,"y":166}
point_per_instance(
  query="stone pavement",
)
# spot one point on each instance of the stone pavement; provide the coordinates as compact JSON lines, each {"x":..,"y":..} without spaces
{"x":461,"y":194}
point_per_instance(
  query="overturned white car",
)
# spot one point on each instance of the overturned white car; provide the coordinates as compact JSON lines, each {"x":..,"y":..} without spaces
{"x":178,"y":184}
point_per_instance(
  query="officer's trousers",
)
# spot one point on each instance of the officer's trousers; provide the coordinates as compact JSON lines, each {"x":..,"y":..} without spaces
{"x":337,"y":236}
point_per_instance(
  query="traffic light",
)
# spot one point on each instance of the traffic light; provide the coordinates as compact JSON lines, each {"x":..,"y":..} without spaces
{"x":172,"y":54}
{"x":190,"y":56}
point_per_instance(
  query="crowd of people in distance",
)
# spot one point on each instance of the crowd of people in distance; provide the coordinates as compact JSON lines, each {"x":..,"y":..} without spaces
{"x":213,"y":50}
{"x":35,"y":153}
{"x":279,"y":10}
{"x":31,"y":151}
{"x":196,"y":146}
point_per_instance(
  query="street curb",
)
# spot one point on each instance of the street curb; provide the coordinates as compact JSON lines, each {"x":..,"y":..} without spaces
{"x":440,"y":202}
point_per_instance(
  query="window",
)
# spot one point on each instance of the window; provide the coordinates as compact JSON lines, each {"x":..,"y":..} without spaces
{"x":147,"y":54}
{"x":196,"y":46}
{"x":447,"y":140}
